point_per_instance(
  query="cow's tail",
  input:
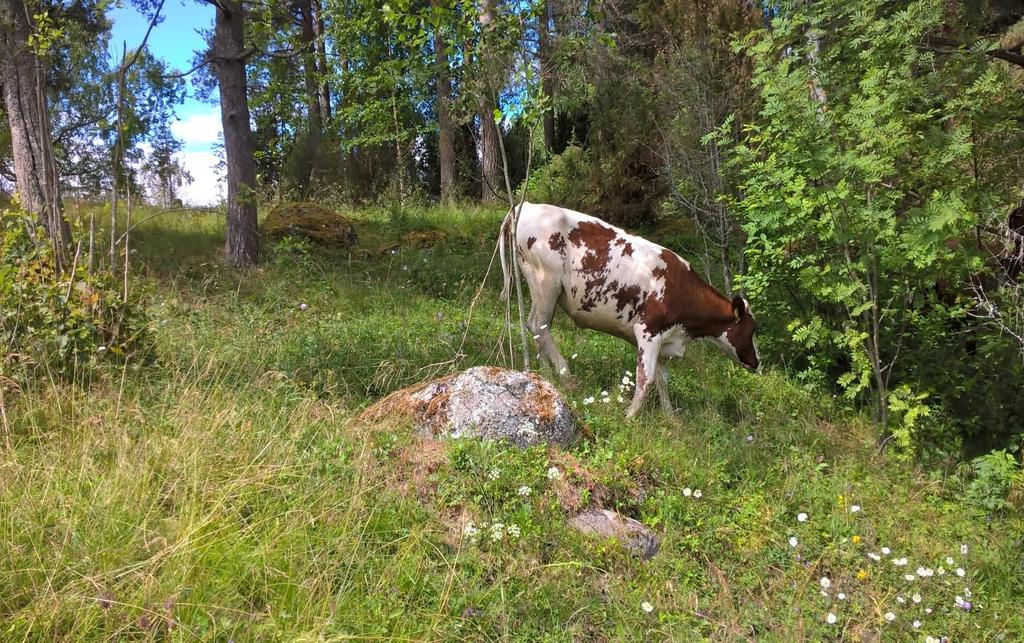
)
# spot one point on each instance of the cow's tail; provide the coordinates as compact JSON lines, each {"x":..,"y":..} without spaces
{"x":506,"y":235}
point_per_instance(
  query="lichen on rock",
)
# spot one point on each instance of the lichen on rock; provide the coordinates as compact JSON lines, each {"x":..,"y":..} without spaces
{"x":485,"y":402}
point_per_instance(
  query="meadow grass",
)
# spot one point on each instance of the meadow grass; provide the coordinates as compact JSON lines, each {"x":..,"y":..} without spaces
{"x":221,"y":491}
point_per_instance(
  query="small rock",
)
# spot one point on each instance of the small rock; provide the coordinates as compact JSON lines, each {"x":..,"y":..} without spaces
{"x":633,"y":535}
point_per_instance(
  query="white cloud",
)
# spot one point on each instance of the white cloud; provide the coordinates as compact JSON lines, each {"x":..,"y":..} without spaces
{"x":207,"y":187}
{"x":199,"y":129}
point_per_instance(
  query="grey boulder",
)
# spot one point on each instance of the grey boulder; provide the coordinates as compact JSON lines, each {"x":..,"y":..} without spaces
{"x":485,"y":402}
{"x":603,"y":523}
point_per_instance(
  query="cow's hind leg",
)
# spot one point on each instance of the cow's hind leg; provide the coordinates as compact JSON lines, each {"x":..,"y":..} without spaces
{"x":646,"y":370}
{"x":544,"y":295}
{"x":662,"y":385}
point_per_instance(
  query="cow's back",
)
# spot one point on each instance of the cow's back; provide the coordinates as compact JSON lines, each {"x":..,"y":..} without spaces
{"x":606,"y":274}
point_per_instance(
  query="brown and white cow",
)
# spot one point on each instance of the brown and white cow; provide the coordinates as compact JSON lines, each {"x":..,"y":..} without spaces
{"x":609,"y":280}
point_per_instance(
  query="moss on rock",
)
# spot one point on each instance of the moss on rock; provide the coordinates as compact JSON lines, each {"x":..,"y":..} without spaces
{"x":310,"y":221}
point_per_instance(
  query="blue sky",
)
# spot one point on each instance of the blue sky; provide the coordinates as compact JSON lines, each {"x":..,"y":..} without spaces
{"x":198,"y":127}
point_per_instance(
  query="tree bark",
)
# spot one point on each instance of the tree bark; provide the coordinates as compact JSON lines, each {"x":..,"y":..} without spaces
{"x":35,"y":168}
{"x":547,"y":84}
{"x":489,"y":146}
{"x":324,"y":88}
{"x":445,"y":126}
{"x":314,"y":133}
{"x":242,"y":240}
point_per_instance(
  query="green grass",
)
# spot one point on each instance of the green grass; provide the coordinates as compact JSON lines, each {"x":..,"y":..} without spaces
{"x":223,"y":493}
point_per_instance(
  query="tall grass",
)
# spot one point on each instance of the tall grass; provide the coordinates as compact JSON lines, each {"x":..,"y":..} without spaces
{"x":223,"y":493}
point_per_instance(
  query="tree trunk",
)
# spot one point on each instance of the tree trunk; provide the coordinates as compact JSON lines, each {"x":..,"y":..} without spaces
{"x":35,"y":168}
{"x":547,"y":85}
{"x":242,"y":240}
{"x":445,"y":127}
{"x":323,"y":88}
{"x":489,"y":147}
{"x":314,"y":133}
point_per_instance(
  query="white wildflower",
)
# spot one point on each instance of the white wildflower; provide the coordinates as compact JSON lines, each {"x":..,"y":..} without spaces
{"x":497,"y":531}
{"x":949,"y":560}
{"x":687,"y":492}
{"x":841,"y":596}
{"x":916,"y":597}
{"x":470,"y":531}
{"x":873,"y":556}
{"x":825,"y":582}
{"x":494,"y":473}
{"x":967,"y":592}
{"x":909,"y":577}
{"x":889,"y":616}
{"x":793,"y":542}
{"x":588,"y":401}
{"x":554,"y":473}
{"x":901,"y":600}
{"x":927,"y":610}
{"x":514,"y":531}
{"x":830,"y":619}
{"x":886,"y":551}
{"x":942,"y":571}
{"x":963,"y":550}
{"x":698,"y":493}
{"x":854,"y":509}
{"x":646,"y":607}
{"x":574,"y":356}
{"x":960,"y":572}
{"x":916,"y":624}
{"x":801,"y":517}
{"x":620,"y":399}
{"x":525,"y":491}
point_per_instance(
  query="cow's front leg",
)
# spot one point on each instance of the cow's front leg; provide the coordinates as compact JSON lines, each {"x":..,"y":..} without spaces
{"x":646,"y":370}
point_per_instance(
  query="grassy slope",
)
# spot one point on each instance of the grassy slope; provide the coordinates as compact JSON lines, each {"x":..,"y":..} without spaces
{"x":224,"y":490}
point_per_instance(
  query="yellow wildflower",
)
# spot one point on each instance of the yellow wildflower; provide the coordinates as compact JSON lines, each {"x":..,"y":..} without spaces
{"x":862,"y":574}
{"x":856,"y":540}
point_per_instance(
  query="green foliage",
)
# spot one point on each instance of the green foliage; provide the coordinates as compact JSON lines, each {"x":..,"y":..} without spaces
{"x":58,"y":323}
{"x":565,"y":180}
{"x":994,"y":473}
{"x":852,"y":191}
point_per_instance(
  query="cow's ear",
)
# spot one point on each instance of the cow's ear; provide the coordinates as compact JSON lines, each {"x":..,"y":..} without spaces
{"x":739,"y":307}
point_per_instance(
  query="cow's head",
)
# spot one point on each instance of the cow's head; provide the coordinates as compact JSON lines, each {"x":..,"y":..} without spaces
{"x":738,"y":337}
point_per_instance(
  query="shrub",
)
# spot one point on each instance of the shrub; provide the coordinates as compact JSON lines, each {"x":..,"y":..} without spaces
{"x":566,"y":181}
{"x":310,"y":221}
{"x":57,"y":322}
{"x":993,"y":477}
